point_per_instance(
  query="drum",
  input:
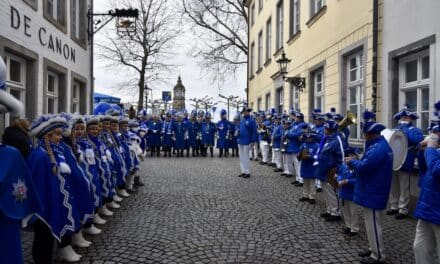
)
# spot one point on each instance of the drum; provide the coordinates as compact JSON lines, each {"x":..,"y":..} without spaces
{"x":399,"y":144}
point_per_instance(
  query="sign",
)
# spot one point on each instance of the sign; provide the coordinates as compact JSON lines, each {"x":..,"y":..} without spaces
{"x":166,"y":96}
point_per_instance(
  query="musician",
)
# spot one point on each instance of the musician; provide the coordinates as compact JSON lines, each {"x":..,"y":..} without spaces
{"x":223,"y":127}
{"x":264,"y":139}
{"x":208,"y":135}
{"x":400,"y":193}
{"x":17,"y":196}
{"x":167,"y":134}
{"x":154,"y":128}
{"x":247,"y":137}
{"x":294,"y":137}
{"x":234,"y":136}
{"x":427,"y":239}
{"x":307,"y":150}
{"x":180,"y":132}
{"x":193,"y":128}
{"x":318,"y":120}
{"x":286,"y":150}
{"x":329,"y":157}
{"x":373,"y":182}
{"x":277,"y":134}
{"x":254,"y":148}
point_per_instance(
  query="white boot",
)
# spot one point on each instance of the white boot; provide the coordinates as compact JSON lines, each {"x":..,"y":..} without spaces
{"x":79,"y":241}
{"x":116,"y":198}
{"x":113,"y":205}
{"x":104,"y":211}
{"x":93,"y":230}
{"x":98,"y":220}
{"x":68,"y":254}
{"x":123,"y":193}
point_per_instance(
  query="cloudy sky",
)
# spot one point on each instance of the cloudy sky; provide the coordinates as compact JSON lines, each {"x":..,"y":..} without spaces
{"x":197,"y":83}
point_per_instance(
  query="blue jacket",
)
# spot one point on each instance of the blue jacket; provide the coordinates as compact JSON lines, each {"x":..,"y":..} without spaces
{"x":423,"y":167}
{"x":193,"y":129}
{"x":208,"y":133}
{"x":179,"y":131}
{"x":293,"y":135}
{"x":307,"y":168}
{"x":277,"y":134}
{"x":247,"y":131}
{"x":346,"y":191}
{"x":329,"y":156}
{"x":415,"y":136}
{"x":167,"y":133}
{"x":262,"y":135}
{"x":232,"y":142}
{"x":223,"y":127}
{"x":154,"y":129}
{"x":428,"y":205}
{"x":373,"y":173}
{"x":319,"y":130}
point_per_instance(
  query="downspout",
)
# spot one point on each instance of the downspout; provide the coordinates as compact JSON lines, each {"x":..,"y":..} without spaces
{"x":247,"y":66}
{"x":375,"y":50}
{"x":92,"y":81}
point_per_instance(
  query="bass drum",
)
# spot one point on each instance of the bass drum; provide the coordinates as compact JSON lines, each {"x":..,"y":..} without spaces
{"x":399,"y":144}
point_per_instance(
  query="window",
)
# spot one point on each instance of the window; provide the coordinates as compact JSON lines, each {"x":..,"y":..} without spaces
{"x":76,"y":95}
{"x":32,"y":3}
{"x":260,"y":4}
{"x":259,"y":104}
{"x":78,"y":20}
{"x":294,"y":102}
{"x":260,"y":49}
{"x":251,"y":66}
{"x":268,"y":39}
{"x":252,"y":16}
{"x":414,"y":86}
{"x":315,"y":6}
{"x":280,"y":24}
{"x":355,"y":89}
{"x":280,"y":100}
{"x":267,"y":102}
{"x":52,"y":92}
{"x":15,"y":80}
{"x":318,"y":88}
{"x":55,"y":12}
{"x":294,"y":17}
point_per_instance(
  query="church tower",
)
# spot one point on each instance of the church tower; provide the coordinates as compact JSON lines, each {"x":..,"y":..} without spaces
{"x":179,"y":96}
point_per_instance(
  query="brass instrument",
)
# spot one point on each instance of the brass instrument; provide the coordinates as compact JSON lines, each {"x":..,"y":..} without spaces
{"x":349,"y":119}
{"x":304,"y":154}
{"x":331,"y":177}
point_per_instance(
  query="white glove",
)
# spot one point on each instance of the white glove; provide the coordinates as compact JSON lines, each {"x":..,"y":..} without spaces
{"x":432,"y":140}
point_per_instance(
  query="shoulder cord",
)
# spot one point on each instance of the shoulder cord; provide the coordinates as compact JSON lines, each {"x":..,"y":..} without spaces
{"x":51,"y":155}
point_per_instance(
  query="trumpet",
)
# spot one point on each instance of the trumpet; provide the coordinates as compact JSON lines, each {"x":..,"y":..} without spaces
{"x":349,"y":119}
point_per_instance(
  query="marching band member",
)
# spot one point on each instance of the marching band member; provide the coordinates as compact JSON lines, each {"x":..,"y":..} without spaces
{"x":253,"y":150}
{"x":264,"y":139}
{"x":306,"y":152}
{"x":18,"y":198}
{"x":318,"y":120}
{"x":180,"y":133}
{"x":277,"y":135}
{"x":223,"y":134}
{"x":58,"y":217}
{"x":329,"y":157}
{"x":286,"y":150}
{"x":208,"y":134}
{"x":167,"y":135}
{"x":233,"y":137}
{"x":247,"y":136}
{"x":193,"y":130}
{"x":427,"y":239}
{"x":294,"y":134}
{"x":130,"y":159}
{"x":373,"y":182}
{"x":154,"y":128}
{"x":400,"y":193}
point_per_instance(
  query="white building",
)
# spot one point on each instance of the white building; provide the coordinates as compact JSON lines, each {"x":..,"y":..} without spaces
{"x":47,"y":53}
{"x":410,"y":58}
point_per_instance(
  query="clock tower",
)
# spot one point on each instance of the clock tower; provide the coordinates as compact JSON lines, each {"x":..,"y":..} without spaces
{"x":179,"y":96}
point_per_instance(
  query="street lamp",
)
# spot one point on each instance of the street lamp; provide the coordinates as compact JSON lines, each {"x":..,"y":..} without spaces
{"x":298,"y":82}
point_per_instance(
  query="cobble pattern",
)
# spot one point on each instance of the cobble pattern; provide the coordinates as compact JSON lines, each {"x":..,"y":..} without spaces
{"x":196,"y":210}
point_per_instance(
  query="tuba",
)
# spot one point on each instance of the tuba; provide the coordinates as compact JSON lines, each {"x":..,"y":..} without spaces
{"x":349,"y":119}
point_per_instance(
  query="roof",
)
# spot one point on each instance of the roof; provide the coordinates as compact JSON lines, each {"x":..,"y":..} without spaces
{"x":100,"y":97}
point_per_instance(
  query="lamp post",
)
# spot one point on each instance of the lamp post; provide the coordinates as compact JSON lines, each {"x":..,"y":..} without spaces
{"x":146,"y":88}
{"x":228,"y":99}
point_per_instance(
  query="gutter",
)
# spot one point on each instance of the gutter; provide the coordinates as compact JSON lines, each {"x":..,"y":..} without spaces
{"x":375,"y":50}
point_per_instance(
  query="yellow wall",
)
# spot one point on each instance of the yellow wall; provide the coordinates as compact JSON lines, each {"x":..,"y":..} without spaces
{"x":344,"y":23}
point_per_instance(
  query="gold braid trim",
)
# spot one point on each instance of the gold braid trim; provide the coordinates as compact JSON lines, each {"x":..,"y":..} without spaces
{"x":51,"y":155}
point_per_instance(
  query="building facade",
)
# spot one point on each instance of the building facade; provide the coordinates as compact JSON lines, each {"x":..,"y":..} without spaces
{"x":330,"y":44}
{"x":46,"y":50}
{"x":179,"y":96}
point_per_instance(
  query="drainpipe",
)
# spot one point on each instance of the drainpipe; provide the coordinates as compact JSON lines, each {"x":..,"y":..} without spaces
{"x":247,"y":70}
{"x":375,"y":50}
{"x":92,"y":81}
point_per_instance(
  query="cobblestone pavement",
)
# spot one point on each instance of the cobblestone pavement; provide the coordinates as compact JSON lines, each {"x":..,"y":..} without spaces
{"x":196,"y":210}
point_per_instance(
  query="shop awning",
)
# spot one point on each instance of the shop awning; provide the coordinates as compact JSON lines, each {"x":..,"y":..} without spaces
{"x":100,"y":97}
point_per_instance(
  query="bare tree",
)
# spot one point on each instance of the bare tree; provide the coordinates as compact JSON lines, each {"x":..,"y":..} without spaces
{"x":221,"y":27}
{"x":149,"y":50}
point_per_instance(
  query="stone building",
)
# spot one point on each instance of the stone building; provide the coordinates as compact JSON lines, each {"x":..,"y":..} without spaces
{"x":47,"y":54}
{"x":179,"y":96}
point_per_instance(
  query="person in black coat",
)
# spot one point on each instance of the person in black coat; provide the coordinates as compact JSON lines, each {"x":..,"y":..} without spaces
{"x":17,"y":136}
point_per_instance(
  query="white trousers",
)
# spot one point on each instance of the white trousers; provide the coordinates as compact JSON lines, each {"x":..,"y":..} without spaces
{"x":427,"y":242}
{"x":351,"y":217}
{"x":331,"y":199}
{"x":399,"y":195}
{"x":318,"y":183}
{"x":264,"y":146}
{"x":253,"y":151}
{"x":276,"y":158}
{"x":245,"y":163}
{"x":297,"y":165}
{"x":288,"y":163}
{"x":373,"y":228}
{"x":309,"y":189}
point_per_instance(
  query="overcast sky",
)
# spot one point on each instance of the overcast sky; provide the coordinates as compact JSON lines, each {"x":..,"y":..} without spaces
{"x":197,"y":85}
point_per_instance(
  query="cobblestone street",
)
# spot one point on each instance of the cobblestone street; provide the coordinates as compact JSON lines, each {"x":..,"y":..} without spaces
{"x":196,"y":210}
